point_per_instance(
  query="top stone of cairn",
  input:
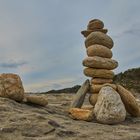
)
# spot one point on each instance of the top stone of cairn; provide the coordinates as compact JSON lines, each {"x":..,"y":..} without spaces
{"x":95,"y":24}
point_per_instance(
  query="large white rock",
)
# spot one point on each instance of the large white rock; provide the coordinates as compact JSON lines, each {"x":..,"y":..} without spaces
{"x":109,"y":108}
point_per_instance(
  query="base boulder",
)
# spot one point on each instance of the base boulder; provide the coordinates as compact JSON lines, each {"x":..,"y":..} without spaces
{"x":109,"y":108}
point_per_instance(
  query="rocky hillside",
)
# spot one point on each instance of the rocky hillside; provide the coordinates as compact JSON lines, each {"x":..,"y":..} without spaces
{"x":65,"y":90}
{"x":129,"y":79}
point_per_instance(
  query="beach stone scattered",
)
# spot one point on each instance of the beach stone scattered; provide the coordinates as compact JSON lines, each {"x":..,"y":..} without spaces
{"x":11,"y":87}
{"x":38,"y":100}
{"x":81,"y":114}
{"x":100,"y":63}
{"x":129,"y":101}
{"x":99,"y":50}
{"x":109,"y":108}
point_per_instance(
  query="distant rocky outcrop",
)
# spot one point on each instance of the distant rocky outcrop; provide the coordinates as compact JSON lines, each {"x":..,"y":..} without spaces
{"x":130,"y":79}
{"x":65,"y":90}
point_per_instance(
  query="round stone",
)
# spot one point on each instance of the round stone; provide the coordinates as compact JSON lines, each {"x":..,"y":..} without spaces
{"x":93,"y":99}
{"x":100,"y":63}
{"x":99,"y":38}
{"x":99,"y":50}
{"x":99,"y":73}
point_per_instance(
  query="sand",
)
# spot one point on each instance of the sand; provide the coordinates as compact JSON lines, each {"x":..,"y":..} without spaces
{"x":20,"y":121}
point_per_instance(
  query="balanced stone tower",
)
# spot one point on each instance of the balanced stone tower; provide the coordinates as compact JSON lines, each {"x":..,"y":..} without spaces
{"x":99,"y":63}
{"x":109,"y":101}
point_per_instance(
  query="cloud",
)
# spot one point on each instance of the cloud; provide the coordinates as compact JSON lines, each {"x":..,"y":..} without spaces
{"x":133,"y":29}
{"x":46,"y":85}
{"x":44,"y":38}
{"x":12,"y":64}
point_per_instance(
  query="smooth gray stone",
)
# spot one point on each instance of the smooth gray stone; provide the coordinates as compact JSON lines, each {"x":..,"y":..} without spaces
{"x":80,"y":95}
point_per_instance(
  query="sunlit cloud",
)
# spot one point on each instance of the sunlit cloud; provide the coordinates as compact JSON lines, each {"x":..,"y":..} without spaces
{"x":12,"y":64}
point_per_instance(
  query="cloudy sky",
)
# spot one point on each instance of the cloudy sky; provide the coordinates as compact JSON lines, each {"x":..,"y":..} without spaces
{"x":40,"y":39}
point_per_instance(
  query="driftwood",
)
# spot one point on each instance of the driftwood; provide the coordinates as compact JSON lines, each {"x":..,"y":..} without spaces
{"x":80,"y":95}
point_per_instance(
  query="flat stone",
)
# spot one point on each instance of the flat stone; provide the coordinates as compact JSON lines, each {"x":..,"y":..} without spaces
{"x":99,"y":50}
{"x":109,"y":108}
{"x":129,"y":101}
{"x":101,"y":81}
{"x":85,"y":33}
{"x":81,"y":114}
{"x":98,"y":73}
{"x":95,"y":24}
{"x":39,"y":100}
{"x":11,"y":86}
{"x":100,"y":63}
{"x":79,"y":97}
{"x":99,"y":38}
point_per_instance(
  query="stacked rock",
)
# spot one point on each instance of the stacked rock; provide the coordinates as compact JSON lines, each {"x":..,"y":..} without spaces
{"x":99,"y":63}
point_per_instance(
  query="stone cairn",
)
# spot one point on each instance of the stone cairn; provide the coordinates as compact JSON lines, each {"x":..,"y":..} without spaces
{"x":99,"y":63}
{"x":110,"y":101}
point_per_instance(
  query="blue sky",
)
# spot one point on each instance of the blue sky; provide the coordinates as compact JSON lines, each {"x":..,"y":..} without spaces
{"x":40,"y":39}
